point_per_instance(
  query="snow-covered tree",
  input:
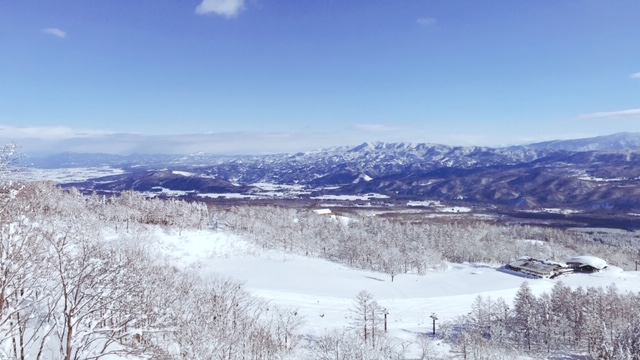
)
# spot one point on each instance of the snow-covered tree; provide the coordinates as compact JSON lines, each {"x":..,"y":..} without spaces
{"x":524,"y":306}
{"x":345,"y":345}
{"x":366,"y":317}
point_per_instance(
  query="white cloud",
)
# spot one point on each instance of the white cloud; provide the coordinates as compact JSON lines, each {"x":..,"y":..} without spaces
{"x":226,"y":8}
{"x":635,"y":75}
{"x":55,"y":32}
{"x":426,"y":21}
{"x":621,"y":114}
{"x":47,"y":133}
{"x":373,"y":127}
{"x":36,"y":141}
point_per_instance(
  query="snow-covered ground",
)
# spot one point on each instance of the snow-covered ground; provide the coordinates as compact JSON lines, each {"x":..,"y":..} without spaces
{"x":64,"y":175}
{"x":323,"y":291}
{"x":350,"y":197}
{"x":425,"y":203}
{"x":597,"y":179}
{"x":228,"y":196}
{"x":555,"y":211}
{"x":438,"y":206}
{"x":183,"y":173}
{"x":159,"y":190}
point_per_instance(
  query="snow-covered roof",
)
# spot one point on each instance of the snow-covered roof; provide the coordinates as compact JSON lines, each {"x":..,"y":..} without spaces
{"x":592,"y":261}
{"x":535,"y":266}
{"x":543,"y":261}
{"x":322,"y":211}
{"x":557,"y":263}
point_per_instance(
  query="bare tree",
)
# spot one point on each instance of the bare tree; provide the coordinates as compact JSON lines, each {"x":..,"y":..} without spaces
{"x":24,"y":280}
{"x":366,"y":315}
{"x":7,"y":157}
{"x":93,"y":313}
{"x":345,"y":345}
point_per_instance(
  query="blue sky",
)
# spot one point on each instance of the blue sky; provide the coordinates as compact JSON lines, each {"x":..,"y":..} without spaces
{"x":254,"y":76}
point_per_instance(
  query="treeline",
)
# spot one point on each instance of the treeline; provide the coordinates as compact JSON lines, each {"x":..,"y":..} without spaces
{"x":395,"y":247}
{"x":603,"y":323}
{"x":78,"y":281}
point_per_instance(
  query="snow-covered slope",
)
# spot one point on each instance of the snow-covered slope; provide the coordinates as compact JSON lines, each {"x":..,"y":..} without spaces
{"x":323,"y":291}
{"x":615,"y":142}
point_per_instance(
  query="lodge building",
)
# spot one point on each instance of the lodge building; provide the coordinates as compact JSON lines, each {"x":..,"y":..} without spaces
{"x":549,"y":269}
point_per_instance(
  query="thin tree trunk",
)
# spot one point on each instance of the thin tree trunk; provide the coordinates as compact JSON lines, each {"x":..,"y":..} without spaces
{"x":69,"y":338}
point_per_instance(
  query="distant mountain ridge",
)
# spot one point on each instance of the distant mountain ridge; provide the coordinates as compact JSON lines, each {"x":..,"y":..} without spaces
{"x":615,"y":142}
{"x":601,"y":172}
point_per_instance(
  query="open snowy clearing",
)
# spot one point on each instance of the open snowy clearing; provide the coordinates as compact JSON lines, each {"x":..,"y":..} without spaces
{"x":64,"y":175}
{"x":351,"y":197}
{"x":323,"y":291}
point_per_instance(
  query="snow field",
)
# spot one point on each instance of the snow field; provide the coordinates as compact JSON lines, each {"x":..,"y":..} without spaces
{"x":65,"y":175}
{"x":323,"y":291}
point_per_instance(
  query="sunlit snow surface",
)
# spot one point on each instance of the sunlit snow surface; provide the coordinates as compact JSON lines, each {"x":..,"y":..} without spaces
{"x":64,"y":175}
{"x":437,"y":206}
{"x":323,"y":291}
{"x":350,"y":197}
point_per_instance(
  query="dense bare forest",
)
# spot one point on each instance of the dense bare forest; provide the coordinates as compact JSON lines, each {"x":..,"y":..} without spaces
{"x":601,"y":323}
{"x":79,"y":282}
{"x":397,"y":247}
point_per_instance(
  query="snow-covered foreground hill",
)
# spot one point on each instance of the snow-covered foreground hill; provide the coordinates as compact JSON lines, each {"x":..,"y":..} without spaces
{"x":323,"y":292}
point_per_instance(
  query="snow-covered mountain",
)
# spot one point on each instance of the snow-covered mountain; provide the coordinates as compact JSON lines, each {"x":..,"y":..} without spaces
{"x":600,"y":172}
{"x":616,"y":142}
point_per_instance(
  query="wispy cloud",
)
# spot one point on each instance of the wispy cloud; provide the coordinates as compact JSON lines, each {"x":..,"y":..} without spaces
{"x":226,"y":8}
{"x":55,"y":32}
{"x":635,"y":75}
{"x":373,"y":127}
{"x":621,"y":114}
{"x":39,"y":141}
{"x":36,"y":141}
{"x":426,"y":21}
{"x":47,"y":133}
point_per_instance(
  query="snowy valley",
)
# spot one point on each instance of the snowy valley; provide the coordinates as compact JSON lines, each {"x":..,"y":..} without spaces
{"x":584,"y":180}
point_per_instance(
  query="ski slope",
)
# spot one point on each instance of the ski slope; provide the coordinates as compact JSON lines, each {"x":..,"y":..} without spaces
{"x":323,"y":291}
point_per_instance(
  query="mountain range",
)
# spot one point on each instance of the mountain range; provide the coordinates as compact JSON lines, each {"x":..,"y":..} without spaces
{"x":592,"y":173}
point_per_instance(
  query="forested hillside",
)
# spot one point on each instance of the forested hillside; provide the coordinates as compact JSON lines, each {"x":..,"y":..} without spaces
{"x":601,"y":323}
{"x":79,"y":282}
{"x":395,"y":247}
